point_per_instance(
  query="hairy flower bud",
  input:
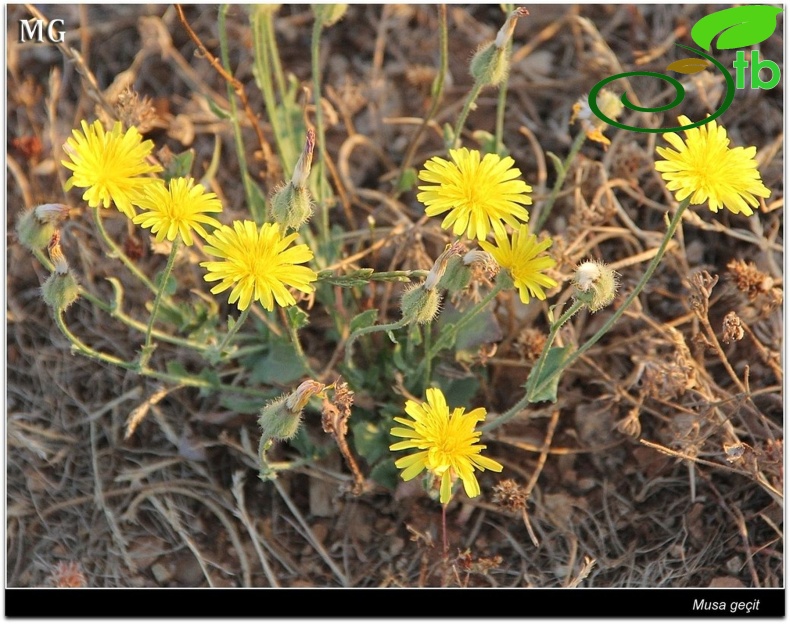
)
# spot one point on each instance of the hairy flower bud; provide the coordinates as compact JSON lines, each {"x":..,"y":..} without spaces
{"x":280,"y":419}
{"x":60,"y":289}
{"x":36,"y":226}
{"x":420,"y":305}
{"x":594,"y":284}
{"x":489,"y":65}
{"x":292,"y":204}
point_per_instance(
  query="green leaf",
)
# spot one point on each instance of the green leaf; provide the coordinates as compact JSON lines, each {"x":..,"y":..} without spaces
{"x":179,"y":165}
{"x":242,"y":405}
{"x":280,"y":366}
{"x":365,"y":319}
{"x":407,"y":180}
{"x":386,"y":474}
{"x":219,"y":112}
{"x":458,"y":392}
{"x":354,"y":279}
{"x":739,"y":27}
{"x":537,"y":386}
{"x":370,"y":441}
{"x":555,"y":160}
{"x":176,"y":368}
{"x":170,"y":287}
{"x":297,"y":317}
{"x":258,"y":207}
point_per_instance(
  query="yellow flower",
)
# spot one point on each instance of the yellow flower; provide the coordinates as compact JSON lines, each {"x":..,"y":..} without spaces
{"x":258,"y":264}
{"x":480,"y":195}
{"x":109,"y":165}
{"x":447,"y":444}
{"x":177,"y":209}
{"x":524,"y":259}
{"x":704,"y":168}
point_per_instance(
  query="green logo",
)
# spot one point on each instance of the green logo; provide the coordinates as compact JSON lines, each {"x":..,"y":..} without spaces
{"x":737,"y":27}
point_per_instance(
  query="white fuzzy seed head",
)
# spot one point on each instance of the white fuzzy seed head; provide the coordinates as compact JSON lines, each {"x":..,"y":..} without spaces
{"x":595,"y":284}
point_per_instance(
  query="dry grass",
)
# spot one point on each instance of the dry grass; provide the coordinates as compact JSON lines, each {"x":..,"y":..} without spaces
{"x":659,"y":466}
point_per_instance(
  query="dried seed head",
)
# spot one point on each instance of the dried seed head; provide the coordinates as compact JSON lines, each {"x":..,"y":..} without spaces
{"x":749,"y":279}
{"x":732,"y":329}
{"x":510,"y":496}
{"x":594,"y":284}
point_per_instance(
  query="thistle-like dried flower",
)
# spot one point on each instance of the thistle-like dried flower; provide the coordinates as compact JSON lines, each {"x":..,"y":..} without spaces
{"x":66,"y":574}
{"x":749,"y":279}
{"x":510,"y":496}
{"x":594,"y":284}
{"x":630,"y":425}
{"x":732,"y":329}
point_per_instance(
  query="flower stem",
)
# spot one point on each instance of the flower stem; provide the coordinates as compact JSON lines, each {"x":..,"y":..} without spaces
{"x":232,"y":331}
{"x":320,"y":141}
{"x":436,"y":95}
{"x":450,"y":332}
{"x":561,"y":175}
{"x":676,"y":219}
{"x":476,"y":88}
{"x":525,"y":400}
{"x":118,"y":253}
{"x":369,"y":330}
{"x":147,"y":348}
{"x":182,"y":380}
{"x":234,"y":117}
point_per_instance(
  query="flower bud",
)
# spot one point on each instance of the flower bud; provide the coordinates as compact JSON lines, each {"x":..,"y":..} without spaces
{"x":594,"y":284}
{"x":329,"y":14}
{"x":436,"y":274}
{"x":280,"y":419}
{"x":420,"y":305}
{"x":489,"y":65}
{"x":36,"y":226}
{"x":60,"y":289}
{"x":292,"y":204}
{"x":457,"y":275}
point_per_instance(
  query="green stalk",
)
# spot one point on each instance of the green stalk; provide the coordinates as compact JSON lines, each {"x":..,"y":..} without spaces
{"x":476,"y":88}
{"x":561,"y":175}
{"x":193,"y":382}
{"x":234,"y":117}
{"x":436,"y":95}
{"x":147,"y":347}
{"x":232,"y":331}
{"x":525,"y":400}
{"x":263,"y":73}
{"x":673,"y":224}
{"x":369,"y":330}
{"x":537,"y":390}
{"x":320,"y":141}
{"x":118,"y":253}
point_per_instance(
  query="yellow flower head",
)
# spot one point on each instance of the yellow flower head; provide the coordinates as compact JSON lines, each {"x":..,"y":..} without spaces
{"x":524,"y":259}
{"x":480,"y":194}
{"x":704,"y":168}
{"x":177,"y":209}
{"x":258,"y":264}
{"x":447,"y":444}
{"x":109,"y":164}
